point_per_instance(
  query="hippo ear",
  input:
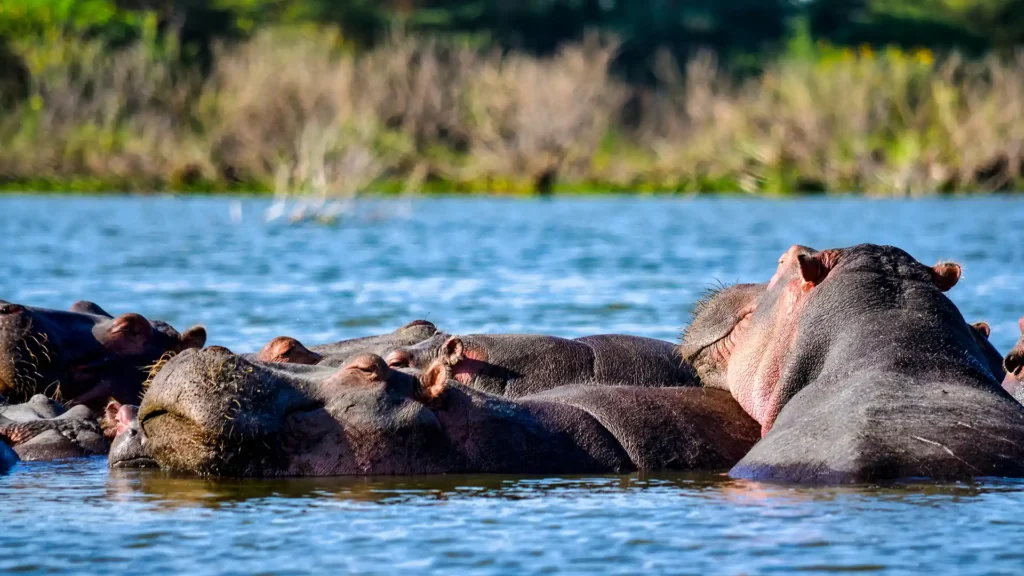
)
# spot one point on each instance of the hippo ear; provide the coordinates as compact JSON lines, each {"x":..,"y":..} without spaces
{"x":108,"y":422}
{"x":946,"y":275}
{"x":194,"y":337}
{"x":452,"y":350}
{"x":812,"y":269}
{"x":983,"y":327}
{"x":1020,"y":324}
{"x":433,"y":381}
{"x":129,"y":334}
{"x":113,"y":407}
{"x":86,"y":307}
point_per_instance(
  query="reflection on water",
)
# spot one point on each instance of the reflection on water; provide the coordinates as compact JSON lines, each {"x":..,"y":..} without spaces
{"x":562,"y":267}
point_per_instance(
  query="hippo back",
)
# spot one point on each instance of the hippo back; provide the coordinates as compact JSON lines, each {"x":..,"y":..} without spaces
{"x":952,"y":430}
{"x":666,"y":428}
{"x":638,"y":361}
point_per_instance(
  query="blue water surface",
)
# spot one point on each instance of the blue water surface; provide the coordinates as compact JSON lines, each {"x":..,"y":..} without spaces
{"x":565,"y":267}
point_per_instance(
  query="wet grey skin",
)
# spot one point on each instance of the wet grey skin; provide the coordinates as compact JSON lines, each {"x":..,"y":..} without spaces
{"x":83,"y":356}
{"x":42,"y":429}
{"x":211,"y":412}
{"x":128,"y":450}
{"x":517,"y":365}
{"x":860,"y":369}
{"x":288,"y":350}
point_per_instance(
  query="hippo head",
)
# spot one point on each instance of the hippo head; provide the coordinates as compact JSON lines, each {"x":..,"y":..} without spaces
{"x":129,"y":446}
{"x":718,"y":322}
{"x":211,"y":412}
{"x":1014,"y":366}
{"x":817,"y":298}
{"x":84,"y":355}
{"x":287,"y":350}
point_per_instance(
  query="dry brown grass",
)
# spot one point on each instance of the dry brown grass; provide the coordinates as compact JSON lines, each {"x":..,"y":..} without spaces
{"x":298,"y":112}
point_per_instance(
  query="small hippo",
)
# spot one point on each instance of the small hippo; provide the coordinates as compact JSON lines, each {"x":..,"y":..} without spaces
{"x":860,"y":369}
{"x":128,"y":450}
{"x":1013,"y":364}
{"x":43,"y":429}
{"x":210,"y":412}
{"x":515,"y":365}
{"x":285,"y":349}
{"x":85,"y":355}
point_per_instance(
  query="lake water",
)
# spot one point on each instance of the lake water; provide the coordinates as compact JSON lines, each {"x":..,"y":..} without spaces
{"x":565,"y":267}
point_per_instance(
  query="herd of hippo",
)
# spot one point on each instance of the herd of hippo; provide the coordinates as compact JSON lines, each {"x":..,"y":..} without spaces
{"x":848,"y":365}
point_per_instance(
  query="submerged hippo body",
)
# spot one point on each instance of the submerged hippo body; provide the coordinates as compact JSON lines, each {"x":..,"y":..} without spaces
{"x":84,"y":355}
{"x":859,"y":368}
{"x":42,"y":429}
{"x":287,"y":350}
{"x":516,"y":365}
{"x":210,"y":412}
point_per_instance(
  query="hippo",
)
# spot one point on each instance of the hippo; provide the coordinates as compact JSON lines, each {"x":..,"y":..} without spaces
{"x":515,"y":365}
{"x":211,"y":412}
{"x":859,"y":369}
{"x":285,"y":349}
{"x":128,"y":449}
{"x":708,"y":340}
{"x":43,"y":429}
{"x":1013,"y":364}
{"x":85,"y":355}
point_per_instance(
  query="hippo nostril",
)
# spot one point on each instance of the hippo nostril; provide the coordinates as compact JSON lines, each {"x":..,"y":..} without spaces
{"x":11,"y":308}
{"x":1014,"y":362}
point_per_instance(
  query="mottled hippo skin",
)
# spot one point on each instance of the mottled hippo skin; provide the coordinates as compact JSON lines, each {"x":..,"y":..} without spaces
{"x":1014,"y":367}
{"x":287,"y":350}
{"x":858,"y":368}
{"x":84,"y":355}
{"x":516,"y":365}
{"x":717,"y":319}
{"x":42,"y":429}
{"x":212,"y":412}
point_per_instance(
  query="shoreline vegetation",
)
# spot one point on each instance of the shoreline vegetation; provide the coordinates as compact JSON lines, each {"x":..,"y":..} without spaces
{"x":292,"y":110}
